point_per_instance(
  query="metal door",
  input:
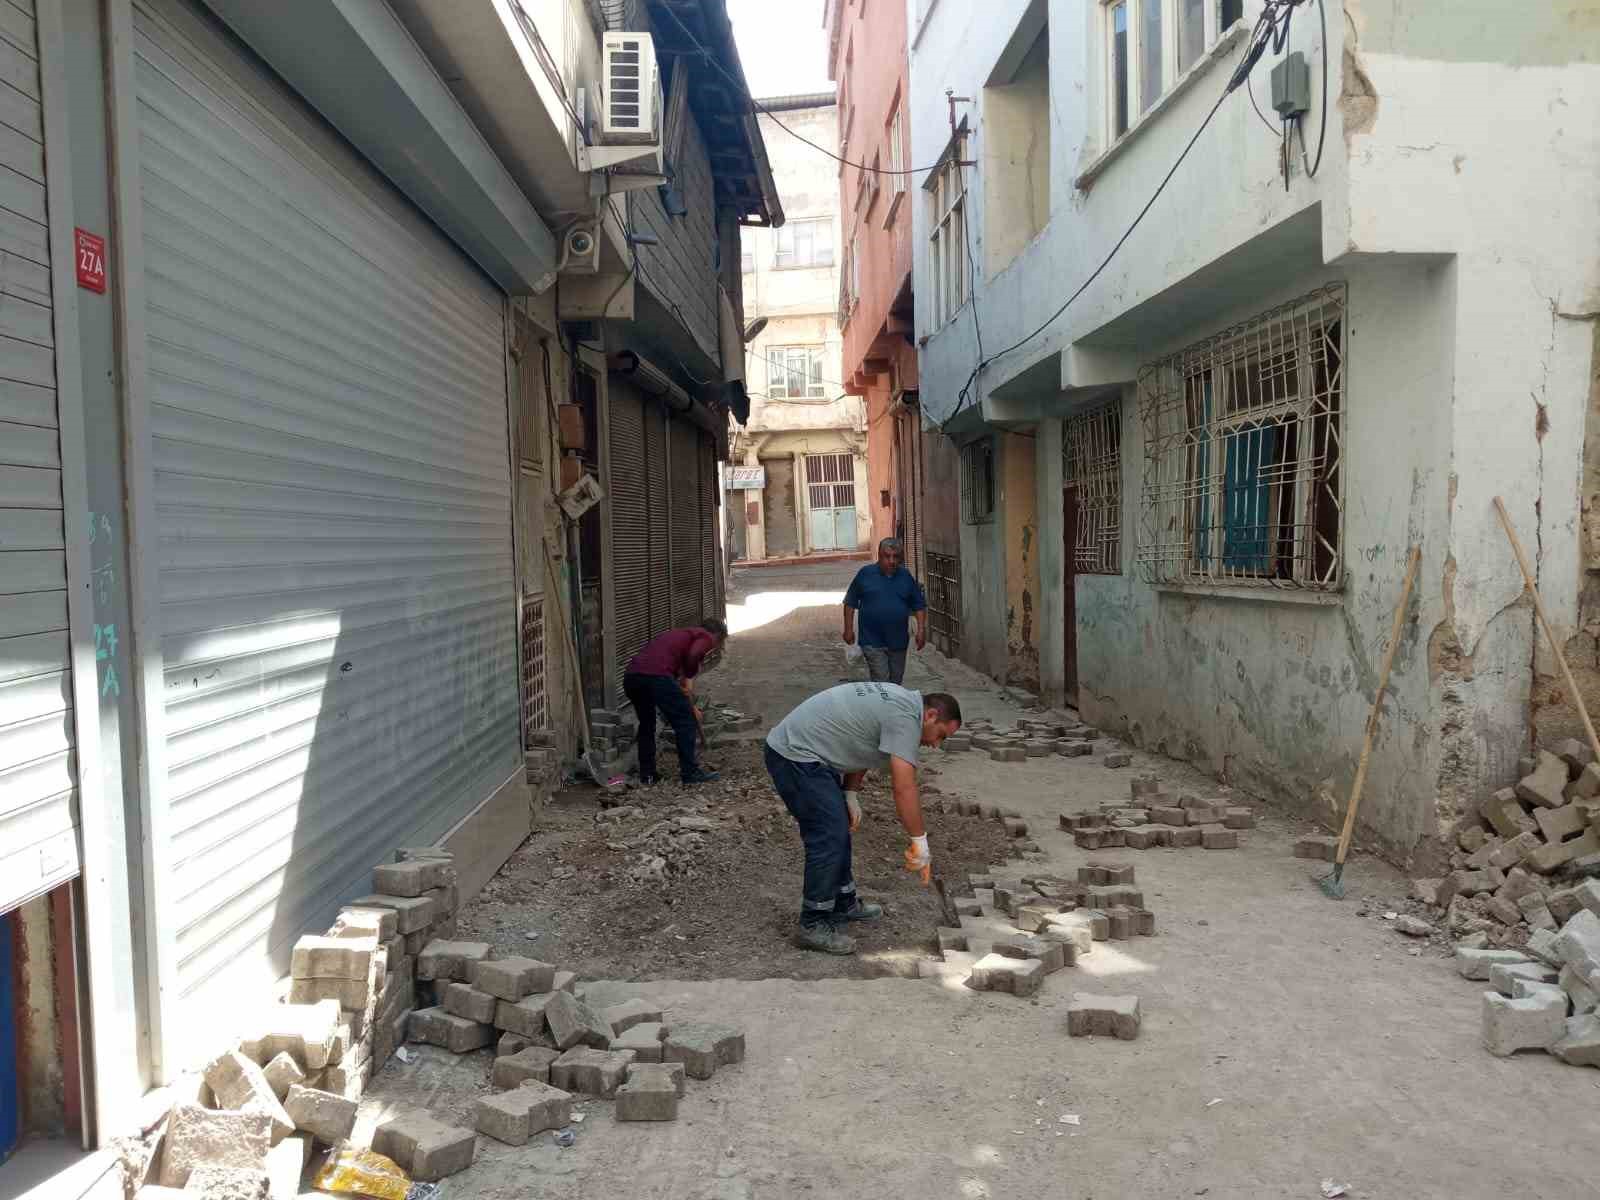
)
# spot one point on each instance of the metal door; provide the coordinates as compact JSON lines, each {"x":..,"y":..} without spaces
{"x":831,"y":501}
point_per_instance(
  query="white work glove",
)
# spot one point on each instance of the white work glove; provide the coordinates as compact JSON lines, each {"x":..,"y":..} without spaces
{"x":852,"y":801}
{"x":918,"y":859}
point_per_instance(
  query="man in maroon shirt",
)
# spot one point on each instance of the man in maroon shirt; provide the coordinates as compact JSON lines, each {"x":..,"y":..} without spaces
{"x":661,"y":676}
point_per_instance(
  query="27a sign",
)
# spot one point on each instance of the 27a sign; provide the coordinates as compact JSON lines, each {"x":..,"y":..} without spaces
{"x":90,"y":251}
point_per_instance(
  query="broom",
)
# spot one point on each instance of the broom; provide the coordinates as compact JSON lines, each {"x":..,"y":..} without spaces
{"x":1333,"y":884}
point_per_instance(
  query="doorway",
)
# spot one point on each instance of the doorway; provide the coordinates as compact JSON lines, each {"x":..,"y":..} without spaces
{"x":831,"y":498}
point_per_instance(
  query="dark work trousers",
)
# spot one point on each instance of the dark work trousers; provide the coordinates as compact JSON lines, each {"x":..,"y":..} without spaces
{"x":647,"y":694}
{"x":814,"y":796}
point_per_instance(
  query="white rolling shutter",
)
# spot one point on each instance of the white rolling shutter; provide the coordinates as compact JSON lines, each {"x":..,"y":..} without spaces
{"x":337,"y":602}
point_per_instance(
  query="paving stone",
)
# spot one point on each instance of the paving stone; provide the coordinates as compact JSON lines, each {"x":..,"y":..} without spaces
{"x":591,"y":1072}
{"x":1121,"y":922}
{"x":644,"y":1040}
{"x":1534,"y":1023}
{"x":1002,"y":973}
{"x":237,"y":1082}
{"x":1476,"y":964}
{"x":512,"y":1044}
{"x":1112,"y":839}
{"x":442,"y":959}
{"x":332,"y":958}
{"x":526,"y":1017}
{"x":573,"y":1023}
{"x":1587,"y":894}
{"x":1169,"y":816}
{"x":1216,"y":837}
{"x":1186,"y":838}
{"x":228,"y":1183}
{"x":1090,"y":1015}
{"x":513,"y":978}
{"x":1016,"y":827}
{"x":436,"y":1027}
{"x":957,"y":744}
{"x":1579,"y":1044}
{"x":1578,"y":945}
{"x":412,"y":878}
{"x":1070,"y":929}
{"x":1558,"y":824}
{"x":1316,"y":846}
{"x":1535,"y":912}
{"x":305,"y":1031}
{"x":1143,"y":838}
{"x":413,"y":914}
{"x":326,"y":1116}
{"x":1008,"y":754}
{"x":1118,"y":758}
{"x":1503,"y":976}
{"x":464,"y":1000}
{"x":281,"y":1071}
{"x":968,"y":907}
{"x":1563,"y":904}
{"x":629,"y":1013}
{"x":651,"y":1093}
{"x":1472,"y":883}
{"x":1505,"y":813}
{"x":529,"y":1063}
{"x":1546,"y":785}
{"x":1545,"y":946}
{"x":1144,"y":922}
{"x":425,"y":1148}
{"x":1549,"y":858}
{"x":1585,"y":998}
{"x":1503,"y":911}
{"x":286,"y":1167}
{"x":205,"y":1137}
{"x":1074,"y":748}
{"x":1054,"y":954}
{"x":516,"y":1115}
{"x":1509,"y":853}
{"x":1038,"y":748}
{"x":1586,"y":784}
{"x":1239,"y":818}
{"x":1428,"y":891}
{"x":355,"y":921}
{"x":702,"y":1048}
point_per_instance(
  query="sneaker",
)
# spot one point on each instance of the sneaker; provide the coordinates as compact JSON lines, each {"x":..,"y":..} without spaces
{"x":824,"y":938}
{"x":701,"y":777}
{"x":864,"y":910}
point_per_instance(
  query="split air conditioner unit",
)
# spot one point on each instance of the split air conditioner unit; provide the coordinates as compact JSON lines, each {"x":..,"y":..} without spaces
{"x":631,"y":106}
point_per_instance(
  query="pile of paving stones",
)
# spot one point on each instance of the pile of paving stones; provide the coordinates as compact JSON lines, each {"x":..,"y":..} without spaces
{"x":1157,"y":818}
{"x":1016,"y":929}
{"x":1548,"y":996}
{"x":1517,"y":861}
{"x":1029,"y":738}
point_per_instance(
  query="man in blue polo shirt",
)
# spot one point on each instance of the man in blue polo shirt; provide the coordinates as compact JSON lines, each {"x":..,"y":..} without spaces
{"x":887,"y":596}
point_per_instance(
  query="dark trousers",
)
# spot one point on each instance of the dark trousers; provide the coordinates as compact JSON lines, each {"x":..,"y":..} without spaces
{"x":649,"y":694}
{"x":814,"y":795}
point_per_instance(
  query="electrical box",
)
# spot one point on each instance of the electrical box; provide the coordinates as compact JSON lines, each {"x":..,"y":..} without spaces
{"x":1291,"y":86}
{"x":571,"y":432}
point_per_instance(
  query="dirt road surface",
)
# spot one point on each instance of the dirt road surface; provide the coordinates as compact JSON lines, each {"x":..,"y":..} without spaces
{"x":1288,"y":1039}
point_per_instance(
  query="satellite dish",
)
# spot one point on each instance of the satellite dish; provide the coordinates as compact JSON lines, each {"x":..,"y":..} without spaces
{"x":753,"y":330}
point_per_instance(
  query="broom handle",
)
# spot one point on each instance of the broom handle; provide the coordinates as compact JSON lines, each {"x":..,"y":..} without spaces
{"x":1544,"y":621}
{"x":1377,"y":707}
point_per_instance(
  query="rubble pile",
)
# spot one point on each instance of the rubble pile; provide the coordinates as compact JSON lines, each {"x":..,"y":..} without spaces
{"x":1016,"y":929}
{"x":1518,"y":861}
{"x":1157,"y":818}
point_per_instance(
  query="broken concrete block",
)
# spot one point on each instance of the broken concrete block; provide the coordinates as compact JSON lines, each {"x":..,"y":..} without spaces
{"x":702,"y":1048}
{"x":414,"y":878}
{"x":511,"y":1044}
{"x":1089,"y":1015}
{"x":1546,"y":785}
{"x":1118,"y":758}
{"x":1534,"y":1023}
{"x":644,"y":1040}
{"x":1427,"y":891}
{"x":590,"y":1072}
{"x":526,"y":1016}
{"x":1505,"y":813}
{"x":436,"y":1027}
{"x":1548,"y":858}
{"x":1579,"y":1044}
{"x":325,"y":1116}
{"x":208,"y":1182}
{"x":1563,"y":904}
{"x":1316,"y":846}
{"x":629,"y":1013}
{"x":205,"y":1137}
{"x":349,"y":993}
{"x":1535,"y":912}
{"x":464,"y":1000}
{"x":572,"y":1023}
{"x":1503,"y":911}
{"x":514,"y":1116}
{"x":1220,"y":839}
{"x":1503,"y":976}
{"x":281,"y":1071}
{"x":1586,"y":785}
{"x":1476,"y":964}
{"x":1585,"y":998}
{"x":1509,"y":853}
{"x":1471,"y":839}
{"x":450,"y":961}
{"x":1578,"y":945}
{"x":1472,"y":883}
{"x":566,"y":981}
{"x":1587,"y":894}
{"x":304,"y":1031}
{"x":1544,"y":946}
{"x":1558,"y":824}
{"x":1577,"y":755}
{"x":237,"y":1082}
{"x":531,"y":1063}
{"x":426,"y":1149}
{"x":513,"y":978}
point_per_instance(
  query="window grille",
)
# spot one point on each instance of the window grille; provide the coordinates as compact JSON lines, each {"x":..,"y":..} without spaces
{"x":977,"y":482}
{"x":831,"y":479}
{"x":1091,"y":459}
{"x":1243,"y":453}
{"x":534,"y":712}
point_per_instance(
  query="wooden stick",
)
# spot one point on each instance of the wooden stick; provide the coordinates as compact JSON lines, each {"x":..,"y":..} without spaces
{"x":572,"y":650}
{"x":1377,"y":707}
{"x":1544,"y":621}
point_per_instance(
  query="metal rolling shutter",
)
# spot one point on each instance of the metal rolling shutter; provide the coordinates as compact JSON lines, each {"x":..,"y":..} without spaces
{"x":38,"y":773}
{"x":630,"y":523}
{"x":710,"y":603}
{"x":658,"y":513}
{"x":688,"y":525}
{"x":333,"y":495}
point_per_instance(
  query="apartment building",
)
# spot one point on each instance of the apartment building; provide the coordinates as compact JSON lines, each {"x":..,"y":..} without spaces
{"x":1361,"y":308}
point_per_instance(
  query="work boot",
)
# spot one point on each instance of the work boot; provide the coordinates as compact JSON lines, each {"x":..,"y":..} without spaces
{"x":863,"y":910}
{"x":825,"y":938}
{"x":701,"y":776}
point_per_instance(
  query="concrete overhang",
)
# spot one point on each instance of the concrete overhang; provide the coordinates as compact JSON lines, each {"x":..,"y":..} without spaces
{"x":357,"y":64}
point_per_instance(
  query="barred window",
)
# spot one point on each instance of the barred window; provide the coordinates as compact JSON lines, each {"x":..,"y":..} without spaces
{"x":535,"y":715}
{"x":1091,"y":460}
{"x":977,"y":481}
{"x":1243,"y":436}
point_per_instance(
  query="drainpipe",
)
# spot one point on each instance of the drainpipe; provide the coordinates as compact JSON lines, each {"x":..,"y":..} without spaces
{"x":653,"y":381}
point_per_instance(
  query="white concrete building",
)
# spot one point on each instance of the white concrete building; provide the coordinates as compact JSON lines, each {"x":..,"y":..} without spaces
{"x":800,"y":486}
{"x":1189,"y":499}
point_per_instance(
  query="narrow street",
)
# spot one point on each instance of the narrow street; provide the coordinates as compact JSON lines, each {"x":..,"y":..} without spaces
{"x":1287,"y":1038}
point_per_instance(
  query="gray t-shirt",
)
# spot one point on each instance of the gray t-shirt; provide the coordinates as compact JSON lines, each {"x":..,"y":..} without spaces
{"x":853,"y":727}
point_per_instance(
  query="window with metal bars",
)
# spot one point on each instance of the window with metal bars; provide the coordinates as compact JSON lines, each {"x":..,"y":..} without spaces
{"x":1091,"y":461}
{"x":977,"y":482}
{"x":831,"y":479}
{"x":1243,"y":461}
{"x":534,"y":711}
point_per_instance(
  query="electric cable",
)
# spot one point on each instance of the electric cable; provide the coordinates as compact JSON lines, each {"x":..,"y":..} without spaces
{"x":1322,"y":136}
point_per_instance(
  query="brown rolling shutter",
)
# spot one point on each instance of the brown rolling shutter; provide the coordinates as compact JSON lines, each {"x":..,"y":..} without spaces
{"x":709,"y":600}
{"x":688,"y":533}
{"x":630,"y":522}
{"x":659,"y":511}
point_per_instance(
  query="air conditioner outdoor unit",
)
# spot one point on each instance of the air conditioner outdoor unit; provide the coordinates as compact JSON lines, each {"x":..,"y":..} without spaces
{"x":631,"y":112}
